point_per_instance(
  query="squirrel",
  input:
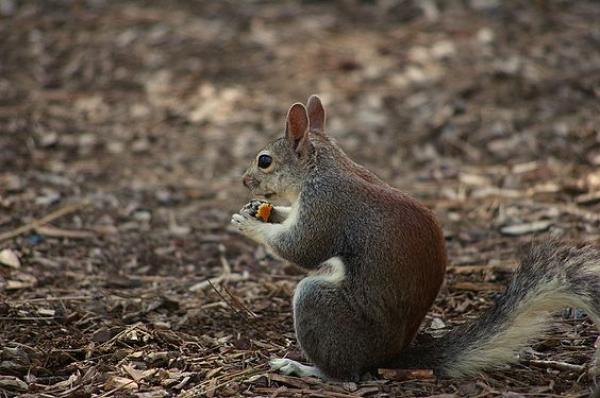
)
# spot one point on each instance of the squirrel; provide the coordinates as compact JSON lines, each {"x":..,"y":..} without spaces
{"x":380,"y":258}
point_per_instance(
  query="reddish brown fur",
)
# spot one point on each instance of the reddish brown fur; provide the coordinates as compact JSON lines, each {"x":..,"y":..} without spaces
{"x":416,"y":246}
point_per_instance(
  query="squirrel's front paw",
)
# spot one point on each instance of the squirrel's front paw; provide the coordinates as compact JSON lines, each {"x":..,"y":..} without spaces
{"x":259,"y":209}
{"x":249,"y":226}
{"x":252,"y":206}
{"x":244,"y":221}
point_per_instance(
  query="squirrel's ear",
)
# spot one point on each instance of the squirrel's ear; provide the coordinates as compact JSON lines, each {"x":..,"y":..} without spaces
{"x":296,"y":127}
{"x":316,"y":114}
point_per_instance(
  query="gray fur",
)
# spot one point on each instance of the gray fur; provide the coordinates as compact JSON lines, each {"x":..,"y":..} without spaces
{"x":390,"y":258}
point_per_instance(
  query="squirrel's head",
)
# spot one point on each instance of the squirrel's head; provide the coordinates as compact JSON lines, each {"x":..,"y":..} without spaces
{"x":279,"y":169}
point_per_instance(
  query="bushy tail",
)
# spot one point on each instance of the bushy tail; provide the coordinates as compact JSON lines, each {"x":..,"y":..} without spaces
{"x":551,"y":277}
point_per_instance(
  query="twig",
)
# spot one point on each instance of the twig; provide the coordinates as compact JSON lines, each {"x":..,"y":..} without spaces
{"x":239,"y":303}
{"x":203,"y":388}
{"x":557,"y":365}
{"x":226,"y":301}
{"x":63,"y":233}
{"x":307,"y":392}
{"x":48,"y":299}
{"x":41,"y":221}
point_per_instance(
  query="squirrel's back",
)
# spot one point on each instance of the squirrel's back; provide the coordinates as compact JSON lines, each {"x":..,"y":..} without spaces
{"x":387,"y":236}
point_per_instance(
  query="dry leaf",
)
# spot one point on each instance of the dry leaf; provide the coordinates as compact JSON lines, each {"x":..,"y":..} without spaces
{"x":65,"y":384}
{"x":120,"y":383}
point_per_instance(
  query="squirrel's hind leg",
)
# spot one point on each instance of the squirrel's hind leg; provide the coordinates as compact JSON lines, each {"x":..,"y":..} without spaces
{"x":332,"y":331}
{"x":292,"y":368}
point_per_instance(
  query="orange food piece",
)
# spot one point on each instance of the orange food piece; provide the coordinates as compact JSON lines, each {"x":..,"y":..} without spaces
{"x":264,"y":211}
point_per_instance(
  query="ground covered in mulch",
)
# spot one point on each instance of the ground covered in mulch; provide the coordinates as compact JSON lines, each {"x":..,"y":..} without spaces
{"x":125,"y":127}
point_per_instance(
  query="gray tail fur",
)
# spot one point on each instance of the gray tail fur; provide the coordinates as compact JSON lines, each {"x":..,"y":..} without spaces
{"x":551,"y":276}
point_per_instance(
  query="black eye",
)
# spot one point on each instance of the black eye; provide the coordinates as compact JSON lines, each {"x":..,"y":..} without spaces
{"x":264,"y":161}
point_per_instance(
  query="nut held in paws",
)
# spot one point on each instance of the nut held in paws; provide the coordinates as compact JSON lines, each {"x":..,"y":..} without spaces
{"x":264,"y":211}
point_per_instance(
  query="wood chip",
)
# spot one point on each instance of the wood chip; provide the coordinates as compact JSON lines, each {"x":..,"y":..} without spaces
{"x":16,"y":285}
{"x":557,"y":365}
{"x":527,"y":228}
{"x":13,"y":383}
{"x":407,"y":374}
{"x":137,"y":374}
{"x":46,"y":312}
{"x":9,"y":258}
{"x":54,"y":232}
{"x":477,"y":287}
{"x":472,"y":269}
{"x":588,"y":198}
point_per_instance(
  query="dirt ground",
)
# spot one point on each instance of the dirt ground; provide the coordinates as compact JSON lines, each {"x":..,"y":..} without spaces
{"x":125,"y":127}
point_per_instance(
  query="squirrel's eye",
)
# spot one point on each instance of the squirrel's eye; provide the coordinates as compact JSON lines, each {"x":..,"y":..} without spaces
{"x":264,"y":161}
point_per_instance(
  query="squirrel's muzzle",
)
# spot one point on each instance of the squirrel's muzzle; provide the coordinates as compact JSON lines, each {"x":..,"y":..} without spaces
{"x":248,"y":181}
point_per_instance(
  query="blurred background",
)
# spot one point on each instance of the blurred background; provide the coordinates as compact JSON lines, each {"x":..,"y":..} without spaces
{"x":125,"y":127}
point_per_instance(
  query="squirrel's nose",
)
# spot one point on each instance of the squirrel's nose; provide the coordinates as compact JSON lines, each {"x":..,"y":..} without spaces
{"x":247,"y":181}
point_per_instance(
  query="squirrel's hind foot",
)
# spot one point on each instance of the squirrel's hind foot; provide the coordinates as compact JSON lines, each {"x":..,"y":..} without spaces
{"x":290,"y":367}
